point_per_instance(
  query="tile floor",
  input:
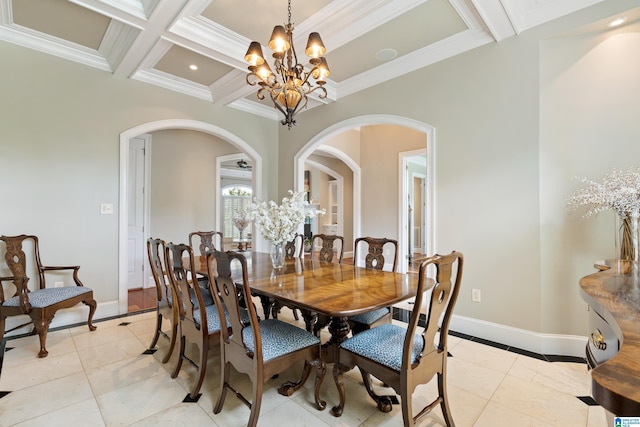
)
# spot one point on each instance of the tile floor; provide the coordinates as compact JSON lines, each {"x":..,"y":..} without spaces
{"x":102,"y":378}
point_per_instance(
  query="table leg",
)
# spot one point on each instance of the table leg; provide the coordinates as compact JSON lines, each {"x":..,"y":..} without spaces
{"x":266,"y":303}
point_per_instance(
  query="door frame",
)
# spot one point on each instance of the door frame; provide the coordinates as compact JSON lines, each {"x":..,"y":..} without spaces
{"x":403,"y":205}
{"x":146,"y":201}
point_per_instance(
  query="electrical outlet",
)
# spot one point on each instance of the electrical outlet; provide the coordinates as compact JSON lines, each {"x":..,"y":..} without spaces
{"x":58,"y":284}
{"x":475,"y":295}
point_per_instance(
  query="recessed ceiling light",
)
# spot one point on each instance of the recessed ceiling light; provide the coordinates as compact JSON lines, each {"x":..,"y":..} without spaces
{"x":194,"y":67}
{"x":618,"y":21}
{"x":386,"y":54}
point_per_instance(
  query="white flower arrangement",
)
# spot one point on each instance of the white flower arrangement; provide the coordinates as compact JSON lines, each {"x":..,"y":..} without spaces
{"x":279,"y":223}
{"x":619,"y":191}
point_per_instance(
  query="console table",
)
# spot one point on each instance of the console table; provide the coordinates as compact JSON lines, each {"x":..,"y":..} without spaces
{"x":613,"y":350}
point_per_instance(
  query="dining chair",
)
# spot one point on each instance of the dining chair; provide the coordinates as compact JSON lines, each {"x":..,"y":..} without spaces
{"x":200,"y":327}
{"x":295,"y":247}
{"x":41,"y":302}
{"x":327,"y":247}
{"x":207,"y":241}
{"x":405,"y":357}
{"x":259,"y":349}
{"x":374,"y":259}
{"x":165,"y":308}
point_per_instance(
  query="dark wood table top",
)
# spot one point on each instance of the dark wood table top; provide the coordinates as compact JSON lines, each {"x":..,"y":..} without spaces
{"x":616,"y":383}
{"x":336,"y":290}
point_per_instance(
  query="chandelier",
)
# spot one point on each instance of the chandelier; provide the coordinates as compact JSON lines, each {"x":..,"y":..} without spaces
{"x":291,"y":83}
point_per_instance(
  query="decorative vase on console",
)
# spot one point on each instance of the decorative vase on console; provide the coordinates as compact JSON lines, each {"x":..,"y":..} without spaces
{"x":241,"y":221}
{"x":620,"y":192}
{"x":280,"y":223}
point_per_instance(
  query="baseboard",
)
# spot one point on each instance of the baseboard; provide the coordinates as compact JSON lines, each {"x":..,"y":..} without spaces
{"x":536,"y":342}
{"x":65,"y":317}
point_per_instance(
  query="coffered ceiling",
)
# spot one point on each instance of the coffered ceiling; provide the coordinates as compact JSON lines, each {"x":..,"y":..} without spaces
{"x":368,"y":41}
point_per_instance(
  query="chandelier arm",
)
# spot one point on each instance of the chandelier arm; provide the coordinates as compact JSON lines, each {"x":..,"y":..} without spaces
{"x":322,"y":89}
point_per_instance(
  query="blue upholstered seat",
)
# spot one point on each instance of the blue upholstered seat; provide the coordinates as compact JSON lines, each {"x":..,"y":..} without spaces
{"x":213,"y":320}
{"x":45,"y":297}
{"x":370,"y":317}
{"x":279,"y":338}
{"x":383,"y":344}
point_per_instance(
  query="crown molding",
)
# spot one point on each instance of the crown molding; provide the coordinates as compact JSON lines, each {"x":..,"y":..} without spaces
{"x":53,"y":46}
{"x":173,"y":83}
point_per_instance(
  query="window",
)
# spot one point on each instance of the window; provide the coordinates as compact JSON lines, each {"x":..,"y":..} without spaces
{"x":233,"y":198}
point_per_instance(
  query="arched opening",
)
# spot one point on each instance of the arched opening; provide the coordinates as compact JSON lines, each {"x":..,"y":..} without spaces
{"x":123,"y":208}
{"x":403,"y":223}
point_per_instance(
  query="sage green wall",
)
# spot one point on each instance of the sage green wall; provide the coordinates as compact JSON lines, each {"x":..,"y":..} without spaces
{"x":379,"y":160}
{"x":485,"y":106}
{"x":60,"y":124}
{"x":183,"y":183}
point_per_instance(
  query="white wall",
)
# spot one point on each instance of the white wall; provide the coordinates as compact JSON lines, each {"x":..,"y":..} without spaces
{"x":183,"y":183}
{"x":589,"y":125}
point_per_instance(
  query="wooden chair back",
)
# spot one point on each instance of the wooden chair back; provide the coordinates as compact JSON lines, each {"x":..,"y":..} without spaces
{"x":294,"y":248}
{"x":327,"y":247}
{"x":207,"y":241}
{"x":375,"y":252}
{"x":164,"y":296}
{"x":198,"y":319}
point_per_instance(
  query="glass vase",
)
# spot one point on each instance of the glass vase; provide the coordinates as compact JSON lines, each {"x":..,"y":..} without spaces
{"x":627,"y":242}
{"x":277,"y":255}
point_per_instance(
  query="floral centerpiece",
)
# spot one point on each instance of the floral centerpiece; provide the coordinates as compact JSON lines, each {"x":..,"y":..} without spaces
{"x":619,"y":191}
{"x":279,"y":223}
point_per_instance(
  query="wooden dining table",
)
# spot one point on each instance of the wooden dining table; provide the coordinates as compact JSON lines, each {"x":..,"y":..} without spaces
{"x":334,"y":291}
{"x":326,"y":293}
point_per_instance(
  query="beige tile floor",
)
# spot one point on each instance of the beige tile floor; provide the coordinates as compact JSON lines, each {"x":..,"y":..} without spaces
{"x":102,"y":378}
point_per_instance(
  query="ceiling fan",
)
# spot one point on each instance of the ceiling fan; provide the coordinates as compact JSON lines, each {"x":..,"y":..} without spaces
{"x":243,"y":165}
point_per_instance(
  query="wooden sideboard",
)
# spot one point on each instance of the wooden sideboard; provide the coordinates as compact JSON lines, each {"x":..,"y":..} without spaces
{"x":614,"y":344}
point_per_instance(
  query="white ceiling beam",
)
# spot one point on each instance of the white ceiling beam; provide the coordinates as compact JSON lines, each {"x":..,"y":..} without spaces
{"x":161,"y":18}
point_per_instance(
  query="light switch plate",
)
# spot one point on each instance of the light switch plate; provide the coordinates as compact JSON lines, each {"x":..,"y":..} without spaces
{"x":106,"y":208}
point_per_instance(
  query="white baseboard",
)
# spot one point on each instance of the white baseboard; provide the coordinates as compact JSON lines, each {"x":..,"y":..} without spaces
{"x":549,"y":344}
{"x":68,"y":316}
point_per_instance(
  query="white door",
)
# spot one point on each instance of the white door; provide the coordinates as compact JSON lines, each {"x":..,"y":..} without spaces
{"x":135,"y":193}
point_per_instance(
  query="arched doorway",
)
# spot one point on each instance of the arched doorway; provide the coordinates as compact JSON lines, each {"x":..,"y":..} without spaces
{"x":125,"y":138}
{"x":381,"y":119}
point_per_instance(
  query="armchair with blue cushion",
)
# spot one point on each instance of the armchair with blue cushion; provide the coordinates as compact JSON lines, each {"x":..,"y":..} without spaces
{"x":41,"y":302}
